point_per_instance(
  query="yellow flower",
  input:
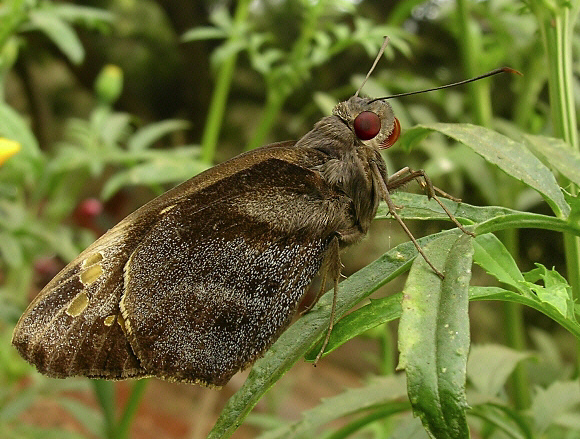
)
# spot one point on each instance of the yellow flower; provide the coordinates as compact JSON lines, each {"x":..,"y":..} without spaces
{"x":7,"y":149}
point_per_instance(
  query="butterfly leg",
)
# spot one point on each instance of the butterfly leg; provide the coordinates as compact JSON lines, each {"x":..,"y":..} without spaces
{"x":333,"y":261}
{"x":393,"y":211}
{"x":406,"y":175}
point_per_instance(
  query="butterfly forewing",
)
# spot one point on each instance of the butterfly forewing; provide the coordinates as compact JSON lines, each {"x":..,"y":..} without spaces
{"x":74,"y":326}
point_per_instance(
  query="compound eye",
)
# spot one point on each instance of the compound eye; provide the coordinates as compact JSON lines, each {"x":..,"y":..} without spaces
{"x":393,"y":136}
{"x":367,"y":125}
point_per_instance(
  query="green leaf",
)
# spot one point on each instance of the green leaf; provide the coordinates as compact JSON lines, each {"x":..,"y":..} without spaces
{"x":324,"y":101}
{"x":149,"y":134}
{"x":14,"y":127}
{"x":83,"y":14}
{"x":557,"y":153}
{"x":221,"y":17}
{"x":510,"y":156}
{"x":420,"y":207}
{"x":479,"y":173}
{"x":11,"y":250}
{"x":203,"y":33}
{"x":434,"y":336}
{"x":493,"y":257}
{"x":555,"y":292}
{"x":114,"y":129}
{"x":387,"y":393}
{"x":489,"y":367}
{"x":88,"y":417}
{"x":21,"y":401}
{"x":59,"y":32}
{"x":297,"y":340}
{"x":553,"y":402}
{"x":496,"y":293}
{"x":489,"y":253}
{"x":377,"y":312}
{"x":163,"y":168}
{"x":513,"y":423}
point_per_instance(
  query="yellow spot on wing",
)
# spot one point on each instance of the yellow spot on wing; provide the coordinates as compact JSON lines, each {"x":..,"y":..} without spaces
{"x":167,"y":209}
{"x":124,"y":324}
{"x":109,"y":320}
{"x":92,"y":259}
{"x":78,"y":304}
{"x":91,"y":274}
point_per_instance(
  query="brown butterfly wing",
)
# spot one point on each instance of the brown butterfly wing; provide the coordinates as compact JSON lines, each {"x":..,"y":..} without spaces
{"x":75,"y":325}
{"x":212,"y":286}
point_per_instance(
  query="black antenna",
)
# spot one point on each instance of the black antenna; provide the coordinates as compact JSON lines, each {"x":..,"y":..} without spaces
{"x":465,"y":81}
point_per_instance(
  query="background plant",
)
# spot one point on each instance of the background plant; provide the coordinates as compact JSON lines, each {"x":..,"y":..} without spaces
{"x":98,"y":96}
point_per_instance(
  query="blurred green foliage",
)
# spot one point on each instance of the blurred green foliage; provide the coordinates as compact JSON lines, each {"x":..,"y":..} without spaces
{"x":113,"y":101}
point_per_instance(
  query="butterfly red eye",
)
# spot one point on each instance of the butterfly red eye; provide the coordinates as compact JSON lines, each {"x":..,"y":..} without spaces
{"x":393,"y":136}
{"x":367,"y":125}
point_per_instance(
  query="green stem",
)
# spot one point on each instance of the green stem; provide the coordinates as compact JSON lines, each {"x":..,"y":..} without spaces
{"x":381,"y":413}
{"x":529,"y":88}
{"x":516,"y":339}
{"x":122,"y":430}
{"x":470,"y":44}
{"x":274,"y":104}
{"x":222,"y":89}
{"x":514,"y":327}
{"x":105,"y":395}
{"x":556,"y":28}
{"x":557,"y":31}
{"x":388,"y":364}
{"x":279,"y":87}
{"x":471,"y":48}
{"x":526,"y":221}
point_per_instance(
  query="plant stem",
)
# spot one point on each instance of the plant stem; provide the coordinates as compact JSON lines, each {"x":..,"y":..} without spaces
{"x":470,"y":43}
{"x":279,"y":85}
{"x":556,"y":28}
{"x":526,"y":221}
{"x":469,"y":40}
{"x":556,"y":22}
{"x":386,"y":349}
{"x":274,"y":104}
{"x":515,"y":338}
{"x":105,"y":395}
{"x":381,"y":413}
{"x":217,"y":106}
{"x":122,"y":430}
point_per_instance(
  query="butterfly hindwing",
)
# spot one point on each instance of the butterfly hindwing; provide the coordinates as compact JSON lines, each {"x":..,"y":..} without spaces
{"x":208,"y":292}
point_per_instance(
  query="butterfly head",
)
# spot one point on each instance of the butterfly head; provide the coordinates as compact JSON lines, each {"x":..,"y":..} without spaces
{"x":372,"y":122}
